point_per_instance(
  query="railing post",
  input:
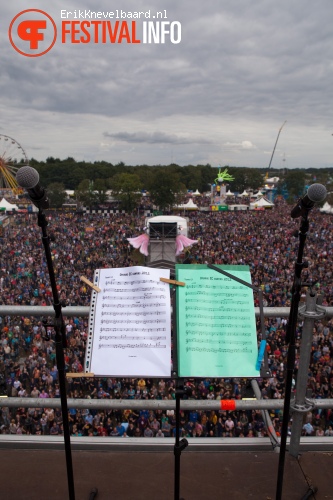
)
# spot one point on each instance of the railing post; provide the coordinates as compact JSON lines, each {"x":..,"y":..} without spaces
{"x":311,"y":312}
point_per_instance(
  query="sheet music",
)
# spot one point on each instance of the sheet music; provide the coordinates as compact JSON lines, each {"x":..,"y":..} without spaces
{"x":216,"y":323}
{"x":130,"y":323}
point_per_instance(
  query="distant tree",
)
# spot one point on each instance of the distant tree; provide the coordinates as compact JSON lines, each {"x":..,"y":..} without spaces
{"x":85,"y":193}
{"x":56,"y":194}
{"x":33,"y":163}
{"x":73,"y":174}
{"x":255,"y":178}
{"x":164,"y":188}
{"x":179,"y":197}
{"x":51,"y":159}
{"x":294,"y":182}
{"x":239,"y":184}
{"x":100,"y":189}
{"x":245,"y":178}
{"x":191,"y":177}
{"x":207,"y":178}
{"x":127,"y":189}
{"x":144,"y":173}
{"x":101,"y":170}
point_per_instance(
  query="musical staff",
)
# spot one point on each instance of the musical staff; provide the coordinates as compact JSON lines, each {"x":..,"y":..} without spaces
{"x":128,"y":337}
{"x":131,"y":283}
{"x":143,"y":330}
{"x":129,"y":321}
{"x":227,"y":342}
{"x":130,"y":298}
{"x":215,"y":317}
{"x":218,"y":350}
{"x":135,"y":306}
{"x":140,"y":289}
{"x":222,"y":333}
{"x":131,"y":346}
{"x":125,"y":313}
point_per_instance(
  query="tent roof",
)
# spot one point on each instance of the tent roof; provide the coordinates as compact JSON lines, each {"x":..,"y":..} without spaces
{"x":190,"y":204}
{"x":8,"y":206}
{"x":167,"y":218}
{"x":229,"y":193}
{"x":262,"y":202}
{"x":327,"y":208}
{"x":259,"y":193}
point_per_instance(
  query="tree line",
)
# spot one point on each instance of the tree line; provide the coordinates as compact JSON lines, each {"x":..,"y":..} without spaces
{"x":91,"y":180}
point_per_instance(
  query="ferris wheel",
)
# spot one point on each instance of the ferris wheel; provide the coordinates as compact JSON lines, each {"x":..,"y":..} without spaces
{"x":12,"y":156}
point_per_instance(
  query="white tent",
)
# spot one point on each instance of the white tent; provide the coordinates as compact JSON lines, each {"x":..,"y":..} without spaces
{"x":259,"y":193}
{"x":8,"y":206}
{"x":196,"y":193}
{"x":327,"y":209}
{"x":272,"y":180}
{"x":244,"y":193}
{"x":229,"y":193}
{"x":190,"y":205}
{"x":261,"y":203}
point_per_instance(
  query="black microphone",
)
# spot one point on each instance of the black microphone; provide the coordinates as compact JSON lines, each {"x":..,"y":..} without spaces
{"x":28,"y":178}
{"x":316,"y":193}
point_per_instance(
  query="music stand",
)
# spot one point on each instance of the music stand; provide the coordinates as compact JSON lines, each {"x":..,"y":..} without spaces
{"x":180,"y":444}
{"x":262,"y":367}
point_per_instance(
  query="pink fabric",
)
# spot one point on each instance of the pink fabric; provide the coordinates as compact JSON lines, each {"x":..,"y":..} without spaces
{"x":140,"y":242}
{"x":182,"y":242}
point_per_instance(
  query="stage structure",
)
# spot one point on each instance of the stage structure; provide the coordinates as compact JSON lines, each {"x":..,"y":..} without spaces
{"x":163,"y":231}
{"x":219,"y":191}
{"x":164,"y":241}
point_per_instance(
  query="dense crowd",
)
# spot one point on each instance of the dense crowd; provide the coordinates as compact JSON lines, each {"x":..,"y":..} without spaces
{"x":263,"y":240}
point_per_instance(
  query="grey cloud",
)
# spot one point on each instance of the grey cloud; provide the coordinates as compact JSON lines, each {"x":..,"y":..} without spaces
{"x":241,"y":68}
{"x":154,"y":138}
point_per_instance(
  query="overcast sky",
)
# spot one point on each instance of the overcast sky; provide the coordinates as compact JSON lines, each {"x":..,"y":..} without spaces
{"x":220,"y":96}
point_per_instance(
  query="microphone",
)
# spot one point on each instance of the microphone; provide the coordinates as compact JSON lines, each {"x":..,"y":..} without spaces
{"x":28,"y":178}
{"x":316,"y":193}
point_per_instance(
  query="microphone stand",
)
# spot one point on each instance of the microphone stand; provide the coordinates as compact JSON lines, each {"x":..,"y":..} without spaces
{"x":60,"y":344}
{"x":291,"y":339}
{"x":180,"y":444}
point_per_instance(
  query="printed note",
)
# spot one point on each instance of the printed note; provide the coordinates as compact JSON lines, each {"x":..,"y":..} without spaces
{"x":130,"y":323}
{"x":216,"y":328}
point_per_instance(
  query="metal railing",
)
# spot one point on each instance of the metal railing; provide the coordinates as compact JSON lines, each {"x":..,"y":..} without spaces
{"x":309,"y":310}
